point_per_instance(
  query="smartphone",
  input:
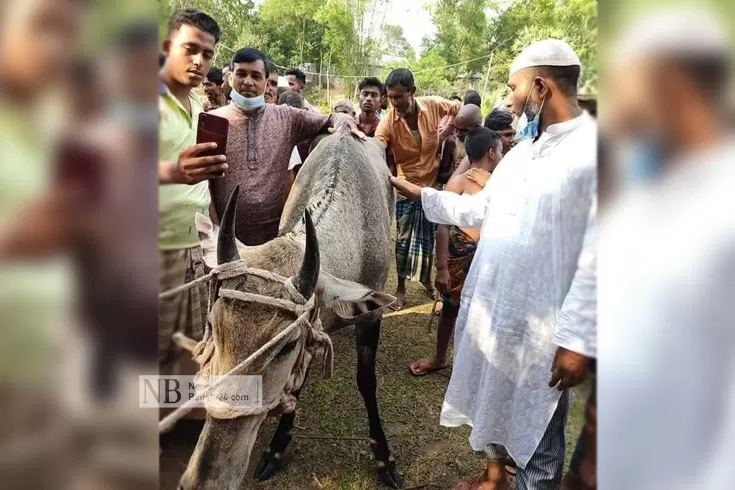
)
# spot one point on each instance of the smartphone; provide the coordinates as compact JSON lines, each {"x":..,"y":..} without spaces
{"x":81,"y":165}
{"x":212,"y":129}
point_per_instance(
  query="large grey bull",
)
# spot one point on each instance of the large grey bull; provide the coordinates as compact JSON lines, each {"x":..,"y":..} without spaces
{"x":340,"y":252}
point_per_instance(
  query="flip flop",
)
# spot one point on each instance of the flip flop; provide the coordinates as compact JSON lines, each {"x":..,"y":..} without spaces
{"x":427,"y":371}
{"x":398,"y":305}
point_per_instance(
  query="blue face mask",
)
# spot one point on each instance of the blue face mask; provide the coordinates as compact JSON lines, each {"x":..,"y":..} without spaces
{"x":529,"y":129}
{"x":644,"y":160}
{"x":247,"y":103}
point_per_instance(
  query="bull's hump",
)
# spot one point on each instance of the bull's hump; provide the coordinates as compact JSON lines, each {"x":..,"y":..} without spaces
{"x":333,"y":171}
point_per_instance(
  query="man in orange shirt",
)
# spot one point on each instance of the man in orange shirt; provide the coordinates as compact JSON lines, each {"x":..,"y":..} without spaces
{"x":410,"y":131}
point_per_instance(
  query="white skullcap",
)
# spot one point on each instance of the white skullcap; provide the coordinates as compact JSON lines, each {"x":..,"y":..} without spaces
{"x":676,"y":32}
{"x":549,"y":52}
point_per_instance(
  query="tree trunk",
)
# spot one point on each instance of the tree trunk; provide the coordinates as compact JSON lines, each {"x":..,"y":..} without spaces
{"x":329,"y":94}
{"x":303,"y":36}
{"x":321,"y":65}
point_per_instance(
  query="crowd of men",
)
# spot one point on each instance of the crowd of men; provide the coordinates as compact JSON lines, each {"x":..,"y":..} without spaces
{"x":502,"y":206}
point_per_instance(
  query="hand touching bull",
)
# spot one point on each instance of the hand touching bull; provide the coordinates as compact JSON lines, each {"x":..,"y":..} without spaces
{"x":407,"y":189}
{"x":339,"y":120}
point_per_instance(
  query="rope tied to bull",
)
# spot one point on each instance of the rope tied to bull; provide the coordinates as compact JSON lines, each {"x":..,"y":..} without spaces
{"x":313,"y":343}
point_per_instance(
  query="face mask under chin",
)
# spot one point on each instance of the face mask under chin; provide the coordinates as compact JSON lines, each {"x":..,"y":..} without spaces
{"x":247,"y":103}
{"x":530,"y":121}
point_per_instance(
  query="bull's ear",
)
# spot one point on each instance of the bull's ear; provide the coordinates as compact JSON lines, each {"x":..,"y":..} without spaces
{"x":351,"y":301}
{"x":208,"y":233}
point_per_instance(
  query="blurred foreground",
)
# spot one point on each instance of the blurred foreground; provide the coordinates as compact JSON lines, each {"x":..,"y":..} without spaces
{"x":667,"y":253}
{"x":78,"y":247}
{"x":78,"y":266}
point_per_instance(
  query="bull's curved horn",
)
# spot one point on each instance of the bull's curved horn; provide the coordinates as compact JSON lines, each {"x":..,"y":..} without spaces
{"x":226,"y":246}
{"x":308,"y":275}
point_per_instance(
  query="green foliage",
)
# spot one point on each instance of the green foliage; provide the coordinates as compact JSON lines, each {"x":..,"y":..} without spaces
{"x":526,"y":21}
{"x":237,"y":20}
{"x":470,"y":29}
{"x":461,"y":34}
{"x":395,"y":43}
{"x":350,"y":36}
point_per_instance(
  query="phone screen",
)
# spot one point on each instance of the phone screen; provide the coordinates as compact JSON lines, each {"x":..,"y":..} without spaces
{"x":213,"y":129}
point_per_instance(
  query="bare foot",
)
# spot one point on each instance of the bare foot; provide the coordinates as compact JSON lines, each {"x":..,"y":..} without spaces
{"x":426,"y":366}
{"x":469,"y":483}
{"x":486,"y":485}
{"x":479,"y":483}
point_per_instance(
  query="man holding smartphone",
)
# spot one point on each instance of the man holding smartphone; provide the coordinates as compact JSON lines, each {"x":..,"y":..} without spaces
{"x":183,"y":174}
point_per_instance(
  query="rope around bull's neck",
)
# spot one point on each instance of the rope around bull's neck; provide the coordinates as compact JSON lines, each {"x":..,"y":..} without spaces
{"x":317,"y":341}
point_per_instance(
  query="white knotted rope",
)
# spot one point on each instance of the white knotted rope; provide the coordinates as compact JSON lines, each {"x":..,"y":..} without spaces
{"x":313,"y":343}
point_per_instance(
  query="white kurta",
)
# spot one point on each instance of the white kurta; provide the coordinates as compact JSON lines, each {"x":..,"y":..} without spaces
{"x":667,"y":380}
{"x":531,"y":286}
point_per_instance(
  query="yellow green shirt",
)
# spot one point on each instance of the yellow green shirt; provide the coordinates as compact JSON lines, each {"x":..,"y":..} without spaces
{"x":178,"y":203}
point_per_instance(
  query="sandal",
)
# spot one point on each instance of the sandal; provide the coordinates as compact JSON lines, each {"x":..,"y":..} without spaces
{"x":416,"y":370}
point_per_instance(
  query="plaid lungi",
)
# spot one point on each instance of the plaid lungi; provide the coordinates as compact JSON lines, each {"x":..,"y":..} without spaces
{"x":187,"y":311}
{"x":414,"y":241}
{"x":462,"y":250}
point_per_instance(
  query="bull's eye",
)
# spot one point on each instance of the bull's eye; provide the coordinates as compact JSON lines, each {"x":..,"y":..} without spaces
{"x":287,"y":348}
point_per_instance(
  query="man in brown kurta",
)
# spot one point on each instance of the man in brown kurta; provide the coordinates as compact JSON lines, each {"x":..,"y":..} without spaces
{"x":260,"y":140}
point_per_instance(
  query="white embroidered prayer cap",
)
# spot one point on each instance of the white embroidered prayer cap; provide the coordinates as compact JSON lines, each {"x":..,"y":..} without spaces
{"x":549,"y":52}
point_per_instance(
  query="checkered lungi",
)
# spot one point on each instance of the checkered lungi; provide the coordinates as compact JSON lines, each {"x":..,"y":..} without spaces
{"x":415,"y":241}
{"x":187,"y":311}
{"x":462,"y":250}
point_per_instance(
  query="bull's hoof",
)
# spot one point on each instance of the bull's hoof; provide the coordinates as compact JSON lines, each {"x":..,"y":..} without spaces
{"x":269,"y":465}
{"x":388,"y":475}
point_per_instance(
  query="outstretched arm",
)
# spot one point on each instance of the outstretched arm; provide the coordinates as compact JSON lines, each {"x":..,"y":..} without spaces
{"x":447,"y":208}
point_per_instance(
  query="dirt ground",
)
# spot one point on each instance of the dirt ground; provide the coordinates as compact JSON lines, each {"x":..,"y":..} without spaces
{"x":430,"y":457}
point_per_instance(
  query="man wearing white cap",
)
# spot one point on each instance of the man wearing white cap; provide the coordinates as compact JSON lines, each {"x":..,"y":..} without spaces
{"x":527,"y":325}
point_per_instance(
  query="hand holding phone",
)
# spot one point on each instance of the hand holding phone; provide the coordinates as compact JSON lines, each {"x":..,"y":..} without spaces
{"x":213,"y":129}
{"x":197,"y":163}
{"x":203,"y":161}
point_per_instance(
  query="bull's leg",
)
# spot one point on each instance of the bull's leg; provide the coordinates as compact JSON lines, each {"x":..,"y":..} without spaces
{"x":367,"y":336}
{"x":270,"y":462}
